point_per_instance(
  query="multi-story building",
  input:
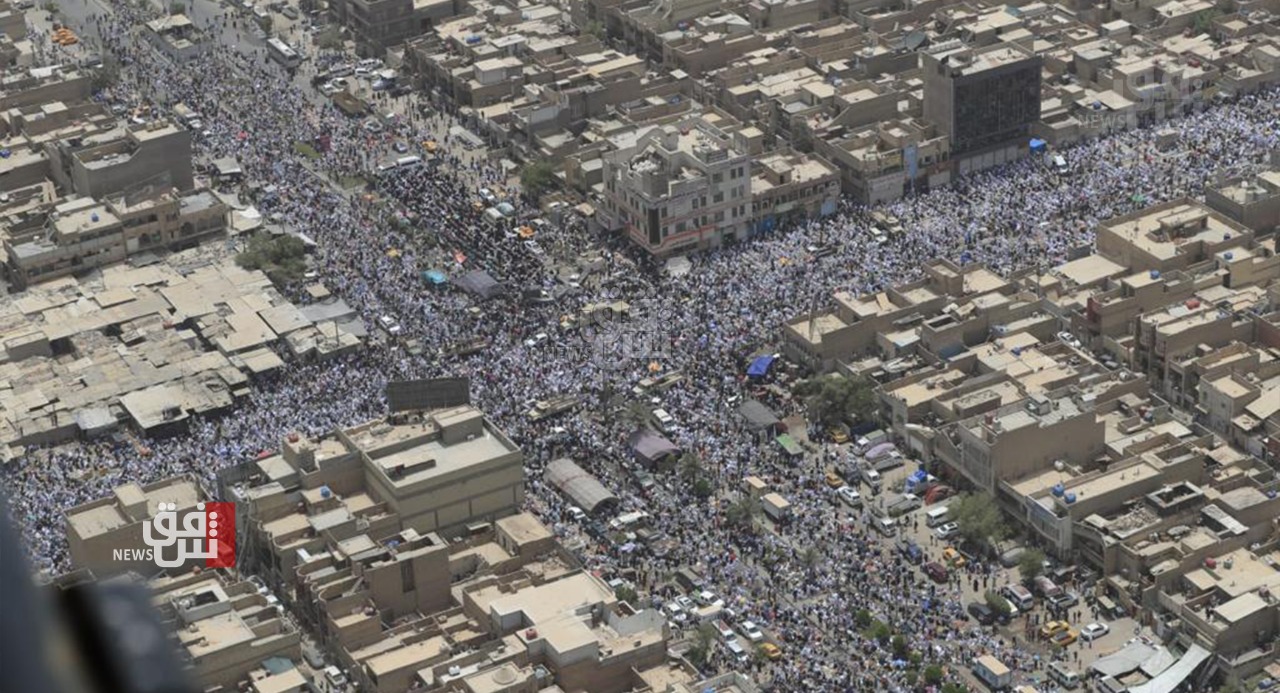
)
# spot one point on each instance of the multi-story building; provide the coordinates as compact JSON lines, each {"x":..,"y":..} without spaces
{"x":105,"y":536}
{"x":984,"y":100}
{"x":80,"y":233}
{"x":378,"y":25}
{"x":678,"y":188}
{"x":433,"y":473}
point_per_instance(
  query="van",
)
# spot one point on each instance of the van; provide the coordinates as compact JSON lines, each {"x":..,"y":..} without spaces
{"x":662,"y":419}
{"x":936,"y":516}
{"x":737,"y":651}
{"x":1046,"y":587}
{"x":886,"y":526}
{"x":1064,"y":675}
{"x":871,"y":477}
{"x":1059,"y":164}
{"x":1019,"y":596}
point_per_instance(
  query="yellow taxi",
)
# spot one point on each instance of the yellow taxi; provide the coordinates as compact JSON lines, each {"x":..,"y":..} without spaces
{"x":773,"y":652}
{"x":1052,"y":628}
{"x":953,"y":558}
{"x":1064,"y":638}
{"x":839,"y":436}
{"x":834,"y":480}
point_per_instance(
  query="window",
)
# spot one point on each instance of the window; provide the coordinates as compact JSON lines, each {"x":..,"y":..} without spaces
{"x":664,"y":212}
{"x":719,"y":216}
{"x":718,"y":198}
{"x":717,"y":178}
{"x":680,"y":227}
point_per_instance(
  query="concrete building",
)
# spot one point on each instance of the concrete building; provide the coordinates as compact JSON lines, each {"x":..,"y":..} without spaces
{"x":98,"y":531}
{"x":984,"y":100}
{"x":1254,"y":201}
{"x":81,"y":234}
{"x":176,"y":36}
{"x":679,"y":188}
{"x":434,"y":473}
{"x":226,"y":628}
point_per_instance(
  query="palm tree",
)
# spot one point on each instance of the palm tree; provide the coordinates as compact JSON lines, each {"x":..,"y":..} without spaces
{"x":690,"y":467}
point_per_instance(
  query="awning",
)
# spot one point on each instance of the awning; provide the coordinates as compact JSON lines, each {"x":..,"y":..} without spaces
{"x":1170,"y":679}
{"x":1038,"y":145}
{"x":760,"y":366}
{"x":479,"y":283}
{"x":582,"y":488}
{"x":434,"y":277}
{"x":651,"y":447}
{"x":758,"y":416}
{"x":789,"y":445}
{"x":1125,"y":661}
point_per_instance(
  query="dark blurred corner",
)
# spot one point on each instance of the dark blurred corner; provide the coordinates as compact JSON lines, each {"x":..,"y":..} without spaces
{"x":78,"y":635}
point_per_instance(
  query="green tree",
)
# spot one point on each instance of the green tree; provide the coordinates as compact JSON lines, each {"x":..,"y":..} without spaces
{"x":701,"y":649}
{"x":595,"y":29}
{"x":265,"y":22}
{"x":900,"y":646}
{"x":998,"y":604}
{"x":106,"y":75}
{"x":880,"y":632}
{"x":743,"y":512}
{"x":702,"y":488}
{"x":624,"y":593}
{"x":177,"y":8}
{"x":933,"y":675}
{"x":1031,"y":564}
{"x":690,"y":467}
{"x":282,"y":258}
{"x":863,"y":618}
{"x":833,"y":398}
{"x":330,"y":39}
{"x":951,"y":687}
{"x":537,"y":178}
{"x":634,"y":415}
{"x":978,"y":518}
{"x":810,"y":557}
{"x":1204,"y":20}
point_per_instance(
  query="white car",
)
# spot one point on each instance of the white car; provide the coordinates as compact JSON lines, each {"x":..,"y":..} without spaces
{"x":709,"y":598}
{"x":750,"y":631}
{"x":390,"y":325}
{"x":675,"y":612}
{"x":686,"y":603}
{"x":947,"y":530}
{"x":1093,"y":631}
{"x":488,"y":196}
{"x":1068,"y":339}
{"x":849,"y":495}
{"x":576,"y":513}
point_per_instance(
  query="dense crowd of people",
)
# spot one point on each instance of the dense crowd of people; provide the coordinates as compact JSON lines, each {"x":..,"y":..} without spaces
{"x":730,"y":304}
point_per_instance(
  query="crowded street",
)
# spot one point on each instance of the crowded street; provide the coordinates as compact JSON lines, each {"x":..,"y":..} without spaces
{"x":805,"y":582}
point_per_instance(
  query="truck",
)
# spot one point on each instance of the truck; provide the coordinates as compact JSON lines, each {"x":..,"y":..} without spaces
{"x":992,"y":672}
{"x":776,"y":507}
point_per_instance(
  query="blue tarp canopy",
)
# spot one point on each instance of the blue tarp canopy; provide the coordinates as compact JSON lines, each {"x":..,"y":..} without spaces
{"x":1038,"y":145}
{"x":435,"y":276}
{"x":760,"y":366}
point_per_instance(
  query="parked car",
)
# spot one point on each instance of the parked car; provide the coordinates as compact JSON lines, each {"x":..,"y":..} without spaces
{"x":1063,"y":600}
{"x":947,"y":530}
{"x":1093,"y":631}
{"x":750,"y":631}
{"x":936,"y":571}
{"x":982,"y":613}
{"x":834,"y":480}
{"x":1052,"y":628}
{"x":389,"y":324}
{"x":849,"y":495}
{"x":1065,"y":637}
{"x":953,"y":557}
{"x":773,"y":652}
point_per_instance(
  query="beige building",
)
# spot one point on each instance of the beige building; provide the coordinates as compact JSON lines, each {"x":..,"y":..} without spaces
{"x":80,"y":233}
{"x":225,"y":628}
{"x":435,"y":472}
{"x":99,"y":532}
{"x":679,"y":188}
